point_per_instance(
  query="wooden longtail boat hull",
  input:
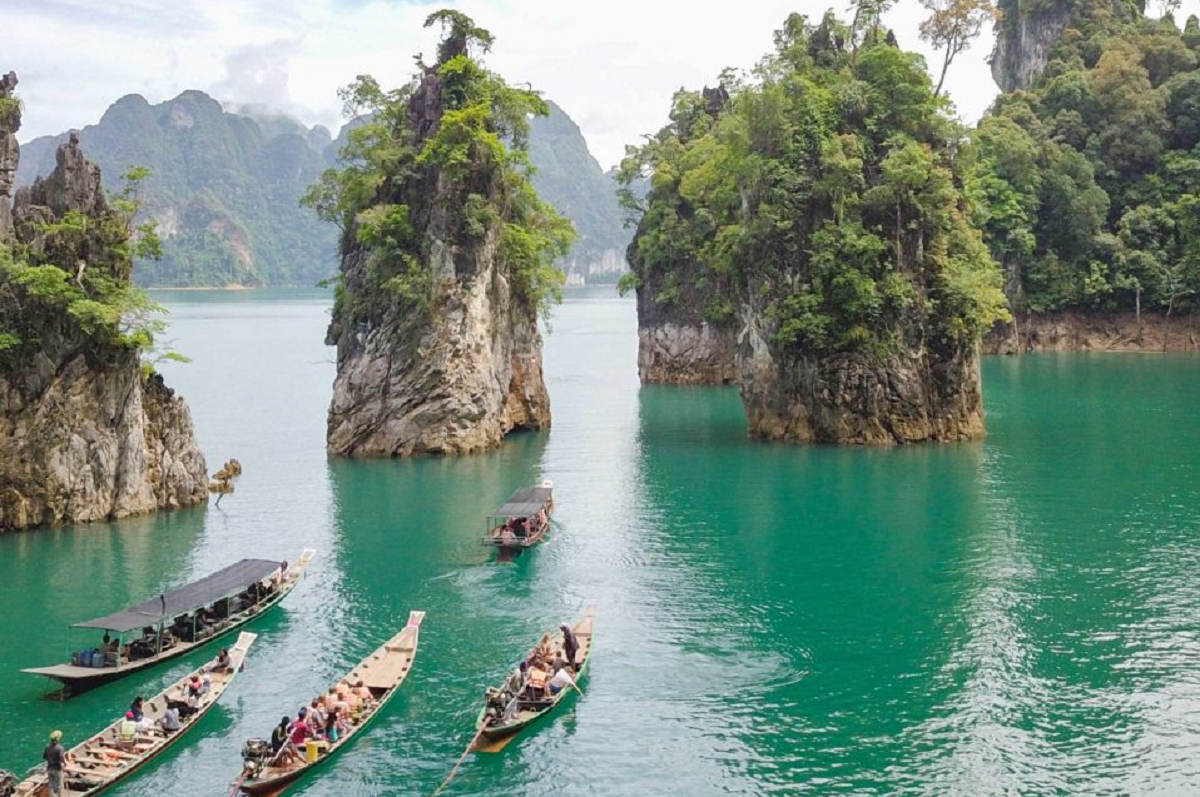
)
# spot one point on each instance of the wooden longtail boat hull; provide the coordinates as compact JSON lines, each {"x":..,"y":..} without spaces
{"x":98,"y":762}
{"x":77,"y":680}
{"x":584,"y":632}
{"x":382,"y":672}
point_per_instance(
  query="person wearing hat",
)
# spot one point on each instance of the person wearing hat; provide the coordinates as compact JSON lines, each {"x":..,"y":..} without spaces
{"x":55,"y":757}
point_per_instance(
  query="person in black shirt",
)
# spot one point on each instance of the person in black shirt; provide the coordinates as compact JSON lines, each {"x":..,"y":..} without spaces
{"x":279,"y":736}
{"x":570,"y":645}
{"x":55,"y":757}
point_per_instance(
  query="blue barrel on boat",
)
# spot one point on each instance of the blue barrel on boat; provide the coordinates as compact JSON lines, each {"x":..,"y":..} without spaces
{"x":97,"y":658}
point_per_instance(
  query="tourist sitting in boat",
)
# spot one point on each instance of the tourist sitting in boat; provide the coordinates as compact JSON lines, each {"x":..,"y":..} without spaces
{"x":316,"y":718}
{"x":521,"y":528}
{"x":279,"y":737}
{"x":136,"y":708}
{"x":170,"y":721}
{"x":127,"y":732}
{"x":561,"y":680}
{"x":543,"y":653}
{"x":537,"y":682}
{"x":182,"y":628}
{"x":516,"y":679}
{"x":364,"y":694}
{"x":570,"y":644}
{"x":298,"y":733}
{"x":223,"y":662}
{"x":332,"y":727}
{"x":283,"y":573}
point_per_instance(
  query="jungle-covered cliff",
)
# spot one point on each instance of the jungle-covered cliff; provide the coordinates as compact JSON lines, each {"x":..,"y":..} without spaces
{"x":224,"y":188}
{"x":87,"y":432}
{"x":819,"y":209}
{"x":1087,"y":175}
{"x":447,"y":260}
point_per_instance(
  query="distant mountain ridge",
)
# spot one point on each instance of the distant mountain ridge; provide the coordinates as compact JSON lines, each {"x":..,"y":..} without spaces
{"x":225,"y":186}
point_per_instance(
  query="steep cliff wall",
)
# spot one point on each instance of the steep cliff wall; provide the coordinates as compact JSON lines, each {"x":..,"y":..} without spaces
{"x":1074,"y":331}
{"x":85,"y":434}
{"x":687,"y":332}
{"x":1025,"y":34}
{"x":444,"y":268}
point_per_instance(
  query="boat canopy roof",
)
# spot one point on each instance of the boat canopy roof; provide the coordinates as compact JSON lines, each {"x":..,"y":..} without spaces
{"x":181,"y":600}
{"x":524,"y":502}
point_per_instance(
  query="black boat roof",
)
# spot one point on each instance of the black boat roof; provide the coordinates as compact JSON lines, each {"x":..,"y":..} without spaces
{"x":525,"y":502}
{"x":221,"y":584}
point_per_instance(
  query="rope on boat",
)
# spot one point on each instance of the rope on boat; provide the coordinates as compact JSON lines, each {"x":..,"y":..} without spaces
{"x":461,"y":759}
{"x":237,"y":784}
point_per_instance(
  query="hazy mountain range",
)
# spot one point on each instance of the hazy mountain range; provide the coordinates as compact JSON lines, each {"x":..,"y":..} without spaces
{"x":225,"y":186}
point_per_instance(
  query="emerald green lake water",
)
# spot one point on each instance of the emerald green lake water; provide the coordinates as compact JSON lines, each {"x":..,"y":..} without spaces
{"x":1018,"y":616}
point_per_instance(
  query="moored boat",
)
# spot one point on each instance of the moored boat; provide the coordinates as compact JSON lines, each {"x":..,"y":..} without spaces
{"x":109,"y":757}
{"x":177,"y":622}
{"x":382,"y":673}
{"x":524,"y":519}
{"x":506,"y":713}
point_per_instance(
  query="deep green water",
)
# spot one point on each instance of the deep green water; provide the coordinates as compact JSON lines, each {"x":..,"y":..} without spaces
{"x":1013,"y":617}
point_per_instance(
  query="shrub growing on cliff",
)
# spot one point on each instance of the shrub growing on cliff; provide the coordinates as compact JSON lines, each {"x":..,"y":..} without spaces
{"x":80,"y":266}
{"x":826,"y":189}
{"x":476,"y":142}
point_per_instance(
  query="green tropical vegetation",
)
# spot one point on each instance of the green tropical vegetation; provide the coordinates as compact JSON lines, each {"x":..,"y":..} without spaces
{"x":827,"y":187}
{"x":1087,"y":186}
{"x":460,"y":166}
{"x":79,"y":268}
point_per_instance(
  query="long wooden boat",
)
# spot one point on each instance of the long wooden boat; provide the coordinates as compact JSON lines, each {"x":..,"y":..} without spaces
{"x":382,"y":673}
{"x":522,"y":711}
{"x":265,"y":581}
{"x":524,"y":519}
{"x":103,"y":760}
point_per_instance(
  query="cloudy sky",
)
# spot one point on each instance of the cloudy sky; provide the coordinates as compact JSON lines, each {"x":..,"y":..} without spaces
{"x":612,"y":66}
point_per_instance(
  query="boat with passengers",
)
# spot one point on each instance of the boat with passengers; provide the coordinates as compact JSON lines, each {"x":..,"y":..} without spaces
{"x":532,"y":692}
{"x":359,"y":698}
{"x":175,"y":622}
{"x":126,"y":745}
{"x":524,"y":519}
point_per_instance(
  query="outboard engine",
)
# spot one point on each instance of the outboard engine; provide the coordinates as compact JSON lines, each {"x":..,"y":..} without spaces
{"x":497,"y":701}
{"x":8,"y":783}
{"x":255,"y":755}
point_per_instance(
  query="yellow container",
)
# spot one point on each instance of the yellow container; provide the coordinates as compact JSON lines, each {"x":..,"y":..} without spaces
{"x":312,"y":750}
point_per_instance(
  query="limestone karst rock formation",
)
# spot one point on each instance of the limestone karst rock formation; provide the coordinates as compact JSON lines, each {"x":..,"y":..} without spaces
{"x":85,"y":432}
{"x":459,"y":366}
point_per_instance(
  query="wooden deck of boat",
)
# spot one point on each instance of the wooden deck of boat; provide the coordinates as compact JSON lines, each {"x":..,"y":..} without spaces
{"x":496,"y":736}
{"x":382,"y":672}
{"x":101,"y":760}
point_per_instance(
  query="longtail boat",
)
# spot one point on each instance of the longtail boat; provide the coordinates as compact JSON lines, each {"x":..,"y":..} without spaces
{"x":382,"y":673}
{"x":171,"y":625}
{"x":106,"y":758}
{"x":523,"y":520}
{"x":511,"y":713}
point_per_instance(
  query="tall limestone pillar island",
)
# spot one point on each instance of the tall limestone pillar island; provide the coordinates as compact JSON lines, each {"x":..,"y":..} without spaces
{"x":447,"y":258}
{"x":86,"y":431}
{"x":828,"y":237}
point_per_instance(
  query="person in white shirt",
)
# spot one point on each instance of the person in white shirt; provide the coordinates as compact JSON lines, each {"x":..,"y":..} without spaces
{"x":561,"y":680}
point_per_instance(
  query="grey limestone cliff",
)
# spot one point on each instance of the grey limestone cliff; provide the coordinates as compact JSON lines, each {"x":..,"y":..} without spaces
{"x":85,"y":433}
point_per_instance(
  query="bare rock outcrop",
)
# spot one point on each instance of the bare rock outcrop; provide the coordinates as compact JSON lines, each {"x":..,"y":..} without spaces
{"x":85,"y":433}
{"x":1076,"y":331}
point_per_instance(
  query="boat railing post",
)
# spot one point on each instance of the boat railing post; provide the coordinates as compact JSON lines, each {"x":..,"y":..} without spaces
{"x":160,"y":634}
{"x":120,"y":647}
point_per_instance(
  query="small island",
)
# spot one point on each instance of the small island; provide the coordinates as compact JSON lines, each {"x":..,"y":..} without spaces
{"x":88,"y":430}
{"x":447,"y":260}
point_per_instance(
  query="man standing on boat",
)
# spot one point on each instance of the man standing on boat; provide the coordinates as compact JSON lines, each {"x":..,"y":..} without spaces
{"x":55,"y":756}
{"x":570,"y":645}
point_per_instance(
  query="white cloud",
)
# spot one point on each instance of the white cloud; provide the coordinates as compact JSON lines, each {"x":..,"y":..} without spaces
{"x":612,"y":65}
